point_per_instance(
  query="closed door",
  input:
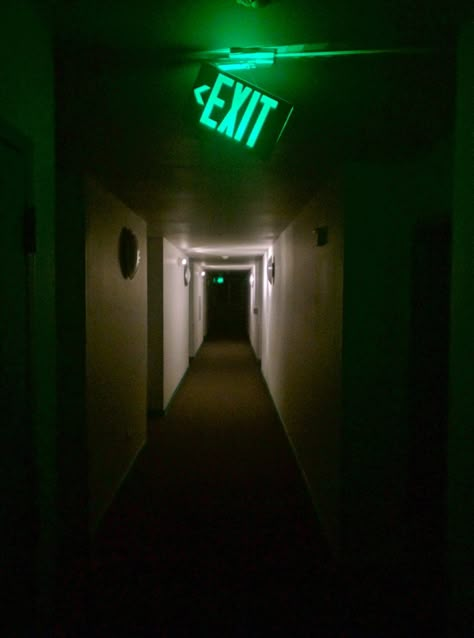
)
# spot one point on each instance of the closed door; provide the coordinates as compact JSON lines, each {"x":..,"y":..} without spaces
{"x":427,"y":477}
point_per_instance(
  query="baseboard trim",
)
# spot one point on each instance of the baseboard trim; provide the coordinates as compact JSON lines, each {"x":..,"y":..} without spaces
{"x":94,"y":527}
{"x":160,"y":412}
{"x":334,"y":550}
{"x":166,"y":408}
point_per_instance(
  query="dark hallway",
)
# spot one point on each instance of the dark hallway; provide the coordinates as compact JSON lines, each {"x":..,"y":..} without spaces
{"x":213,"y":532}
{"x":287,"y":451}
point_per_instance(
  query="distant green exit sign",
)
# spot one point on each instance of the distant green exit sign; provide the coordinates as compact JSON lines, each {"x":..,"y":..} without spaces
{"x":229,"y":106}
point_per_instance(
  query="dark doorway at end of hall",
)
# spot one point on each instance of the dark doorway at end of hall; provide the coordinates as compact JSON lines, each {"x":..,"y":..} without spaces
{"x":228,"y":304}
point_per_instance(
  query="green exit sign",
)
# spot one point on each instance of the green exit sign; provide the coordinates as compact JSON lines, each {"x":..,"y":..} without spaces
{"x":228,"y":106}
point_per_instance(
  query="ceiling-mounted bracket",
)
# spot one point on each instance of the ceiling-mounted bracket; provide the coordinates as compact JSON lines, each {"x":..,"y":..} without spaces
{"x":253,"y":4}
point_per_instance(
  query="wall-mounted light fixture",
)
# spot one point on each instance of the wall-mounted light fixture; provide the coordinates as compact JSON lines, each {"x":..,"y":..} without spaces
{"x":187,"y":275}
{"x":203,"y":273}
{"x":252,"y":279}
{"x":321,"y":234}
{"x":129,"y":253}
{"x":243,"y":59}
{"x":271,"y":269}
{"x":182,"y":261}
{"x":254,"y":4}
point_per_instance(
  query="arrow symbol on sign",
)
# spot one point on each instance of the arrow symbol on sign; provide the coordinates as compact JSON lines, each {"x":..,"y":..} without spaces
{"x":198,"y":93}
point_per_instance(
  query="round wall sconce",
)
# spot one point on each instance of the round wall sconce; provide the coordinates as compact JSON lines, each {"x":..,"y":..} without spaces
{"x":187,"y":275}
{"x":129,"y":253}
{"x":271,"y":269}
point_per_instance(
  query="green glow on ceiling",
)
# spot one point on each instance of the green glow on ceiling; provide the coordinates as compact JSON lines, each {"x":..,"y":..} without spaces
{"x":261,"y":56}
{"x":244,"y":65}
{"x":236,"y":66}
{"x":254,"y":57}
{"x":297,"y":55}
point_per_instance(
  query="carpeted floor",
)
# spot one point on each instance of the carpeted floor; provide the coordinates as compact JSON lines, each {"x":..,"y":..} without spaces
{"x":213,"y":532}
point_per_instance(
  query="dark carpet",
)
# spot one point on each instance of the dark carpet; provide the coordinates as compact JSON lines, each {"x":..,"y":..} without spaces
{"x":213,"y":532}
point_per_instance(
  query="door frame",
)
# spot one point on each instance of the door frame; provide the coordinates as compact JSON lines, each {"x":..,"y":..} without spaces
{"x":14,"y":139}
{"x":19,"y":142}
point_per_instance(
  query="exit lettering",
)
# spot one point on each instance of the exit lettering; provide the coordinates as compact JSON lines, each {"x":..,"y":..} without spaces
{"x":240,"y":97}
{"x":239,"y":110}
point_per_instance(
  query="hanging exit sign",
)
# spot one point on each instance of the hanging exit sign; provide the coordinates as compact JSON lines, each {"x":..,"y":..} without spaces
{"x":228,"y":106}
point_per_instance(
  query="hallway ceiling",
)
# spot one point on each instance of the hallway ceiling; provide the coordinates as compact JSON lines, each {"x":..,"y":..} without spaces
{"x":125,"y":75}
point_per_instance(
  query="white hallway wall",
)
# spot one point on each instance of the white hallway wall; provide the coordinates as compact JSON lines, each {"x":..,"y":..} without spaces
{"x":197,"y":323}
{"x":255,"y":309}
{"x":155,"y":324}
{"x":301,"y":348}
{"x":169,"y":331}
{"x":175,"y":321}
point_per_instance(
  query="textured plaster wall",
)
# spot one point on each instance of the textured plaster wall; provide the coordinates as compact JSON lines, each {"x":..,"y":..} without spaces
{"x":116,"y":351}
